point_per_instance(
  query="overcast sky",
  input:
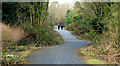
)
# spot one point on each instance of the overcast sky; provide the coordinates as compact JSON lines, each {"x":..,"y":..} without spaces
{"x":63,"y":1}
{"x":71,"y":2}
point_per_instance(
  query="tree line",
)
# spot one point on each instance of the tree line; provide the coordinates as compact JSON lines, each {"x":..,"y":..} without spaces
{"x":98,"y":23}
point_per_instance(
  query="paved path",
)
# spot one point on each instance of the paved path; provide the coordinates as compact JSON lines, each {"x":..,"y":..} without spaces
{"x":62,"y":54}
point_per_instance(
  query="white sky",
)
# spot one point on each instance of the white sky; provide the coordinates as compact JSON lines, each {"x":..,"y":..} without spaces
{"x":64,"y":1}
{"x":71,"y":2}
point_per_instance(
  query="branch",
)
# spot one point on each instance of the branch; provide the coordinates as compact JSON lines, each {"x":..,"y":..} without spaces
{"x":43,"y":17}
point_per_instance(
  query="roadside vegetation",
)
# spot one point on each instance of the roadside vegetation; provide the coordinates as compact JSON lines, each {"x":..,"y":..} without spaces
{"x":96,"y":22}
{"x":26,"y":26}
{"x":29,"y":25}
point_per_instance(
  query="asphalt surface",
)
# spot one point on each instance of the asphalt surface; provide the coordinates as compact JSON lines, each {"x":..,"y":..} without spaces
{"x":62,"y":54}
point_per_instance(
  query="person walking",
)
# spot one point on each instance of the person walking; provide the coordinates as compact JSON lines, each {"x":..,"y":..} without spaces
{"x":62,"y":27}
{"x":58,"y":26}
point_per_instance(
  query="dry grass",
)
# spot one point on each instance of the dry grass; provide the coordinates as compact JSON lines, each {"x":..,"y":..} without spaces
{"x":11,"y":34}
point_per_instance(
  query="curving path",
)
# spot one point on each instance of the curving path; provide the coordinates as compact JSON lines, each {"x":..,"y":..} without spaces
{"x":62,"y":54}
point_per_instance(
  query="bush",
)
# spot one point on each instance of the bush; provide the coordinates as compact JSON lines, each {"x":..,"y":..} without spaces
{"x":38,"y":35}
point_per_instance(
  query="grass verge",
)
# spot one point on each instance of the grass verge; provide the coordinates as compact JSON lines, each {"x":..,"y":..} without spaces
{"x":95,"y":61}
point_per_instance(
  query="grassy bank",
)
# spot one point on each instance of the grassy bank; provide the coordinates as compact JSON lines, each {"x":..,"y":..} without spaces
{"x":16,"y":50}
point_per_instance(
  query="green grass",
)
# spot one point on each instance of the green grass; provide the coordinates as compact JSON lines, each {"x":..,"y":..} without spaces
{"x":18,"y":57}
{"x":95,"y":61}
{"x":87,"y":53}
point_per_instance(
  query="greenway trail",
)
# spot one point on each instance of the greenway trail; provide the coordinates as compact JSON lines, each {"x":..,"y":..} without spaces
{"x":61,"y":54}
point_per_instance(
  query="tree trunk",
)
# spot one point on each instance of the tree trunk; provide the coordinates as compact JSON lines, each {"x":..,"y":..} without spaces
{"x":45,"y":13}
{"x":33,"y":10}
{"x":31,"y":17}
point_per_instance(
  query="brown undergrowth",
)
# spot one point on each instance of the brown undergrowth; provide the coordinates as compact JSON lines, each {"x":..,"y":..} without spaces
{"x":90,"y":52}
{"x":15,"y":41}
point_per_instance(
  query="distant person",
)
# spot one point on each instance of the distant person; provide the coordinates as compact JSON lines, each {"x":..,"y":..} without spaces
{"x":60,"y":24}
{"x":58,"y":27}
{"x":62,"y":27}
